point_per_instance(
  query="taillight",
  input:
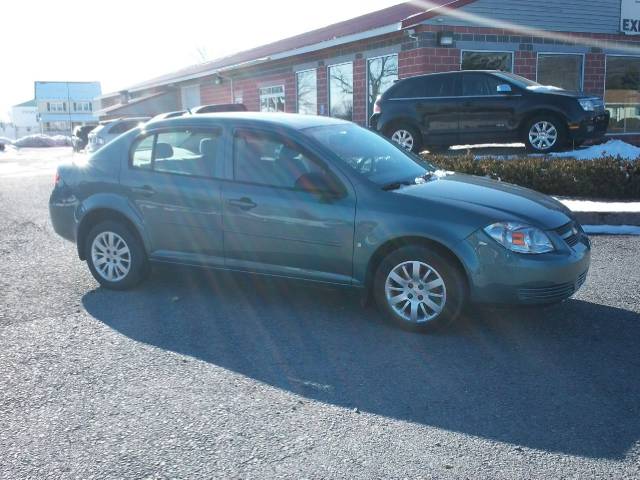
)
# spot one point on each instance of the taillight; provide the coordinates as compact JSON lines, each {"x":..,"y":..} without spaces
{"x":376,"y":106}
{"x":56,"y":179}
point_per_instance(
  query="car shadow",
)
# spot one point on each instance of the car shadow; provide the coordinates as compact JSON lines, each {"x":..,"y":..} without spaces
{"x":563,"y":379}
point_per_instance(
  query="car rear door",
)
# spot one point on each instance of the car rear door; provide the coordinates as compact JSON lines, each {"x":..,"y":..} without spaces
{"x":273,"y":223}
{"x":173,"y":178}
{"x":438,"y":109}
{"x":487,"y":115}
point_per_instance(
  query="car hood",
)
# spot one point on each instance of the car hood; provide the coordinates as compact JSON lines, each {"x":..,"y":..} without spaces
{"x":551,"y":90}
{"x":486,"y":197}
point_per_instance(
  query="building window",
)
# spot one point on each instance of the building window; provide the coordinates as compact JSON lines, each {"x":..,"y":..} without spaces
{"x":272,"y":99}
{"x":502,"y":61}
{"x":382,"y":72}
{"x":82,"y":106}
{"x":58,"y":126}
{"x":559,"y":70}
{"x":622,"y":93}
{"x":341,"y":91}
{"x":307,"y":92}
{"x":56,"y":107}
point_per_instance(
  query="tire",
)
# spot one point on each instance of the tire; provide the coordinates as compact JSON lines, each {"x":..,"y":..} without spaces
{"x":544,"y":134}
{"x":407,"y":137}
{"x":450,"y":297}
{"x":125,"y":270}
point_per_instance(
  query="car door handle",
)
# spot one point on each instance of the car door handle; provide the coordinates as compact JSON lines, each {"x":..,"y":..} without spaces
{"x":145,"y":190}
{"x":244,"y":203}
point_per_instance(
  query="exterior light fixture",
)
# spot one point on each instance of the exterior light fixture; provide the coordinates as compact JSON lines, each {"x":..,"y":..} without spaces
{"x":445,"y":39}
{"x":218,"y":80}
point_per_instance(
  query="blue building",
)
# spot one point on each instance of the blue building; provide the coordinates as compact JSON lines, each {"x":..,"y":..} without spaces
{"x":64,"y":105}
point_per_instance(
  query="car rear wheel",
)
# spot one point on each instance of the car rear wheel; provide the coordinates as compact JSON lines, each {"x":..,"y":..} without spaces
{"x":115,"y":256}
{"x":544,"y":134}
{"x":418,"y":289}
{"x":407,"y":137}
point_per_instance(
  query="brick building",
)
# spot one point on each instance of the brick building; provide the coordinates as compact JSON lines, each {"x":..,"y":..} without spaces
{"x":588,"y":45}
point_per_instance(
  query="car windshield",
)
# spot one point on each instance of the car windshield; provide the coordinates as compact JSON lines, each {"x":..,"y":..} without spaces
{"x":371,"y":155}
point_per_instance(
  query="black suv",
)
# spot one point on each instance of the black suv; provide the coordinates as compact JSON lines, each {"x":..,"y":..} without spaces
{"x":470,"y":107}
{"x":80,"y":137}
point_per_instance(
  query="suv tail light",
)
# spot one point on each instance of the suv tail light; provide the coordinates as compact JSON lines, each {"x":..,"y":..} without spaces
{"x":56,"y":179}
{"x":376,"y":106}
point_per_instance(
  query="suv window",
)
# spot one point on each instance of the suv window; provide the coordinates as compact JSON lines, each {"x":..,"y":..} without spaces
{"x":269,"y":159}
{"x":480,"y":85}
{"x":122,"y":127}
{"x":180,"y":151}
{"x":409,"y":88}
{"x":439,"y":86}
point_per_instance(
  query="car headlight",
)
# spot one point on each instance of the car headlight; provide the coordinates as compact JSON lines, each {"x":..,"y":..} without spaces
{"x":520,"y":238}
{"x":586,"y":104}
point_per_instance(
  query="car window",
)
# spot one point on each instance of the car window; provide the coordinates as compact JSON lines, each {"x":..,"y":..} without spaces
{"x":142,"y":153}
{"x":439,"y":86}
{"x":269,"y":159}
{"x":409,"y":88}
{"x":479,"y":84}
{"x":122,"y":127}
{"x":180,"y":151}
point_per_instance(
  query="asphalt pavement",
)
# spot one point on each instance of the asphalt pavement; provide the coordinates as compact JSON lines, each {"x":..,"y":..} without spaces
{"x":198,"y":374}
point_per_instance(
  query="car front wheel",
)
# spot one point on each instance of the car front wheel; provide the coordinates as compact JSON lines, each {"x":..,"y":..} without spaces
{"x":115,"y":256}
{"x":418,"y":289}
{"x":544,"y":134}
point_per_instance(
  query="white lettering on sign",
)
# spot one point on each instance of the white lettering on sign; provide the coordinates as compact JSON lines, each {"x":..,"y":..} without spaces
{"x":630,"y":17}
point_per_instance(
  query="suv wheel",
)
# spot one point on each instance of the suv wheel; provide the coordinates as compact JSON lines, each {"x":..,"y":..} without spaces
{"x":418,"y":289}
{"x":115,"y":256}
{"x":544,"y":134}
{"x":407,"y":137}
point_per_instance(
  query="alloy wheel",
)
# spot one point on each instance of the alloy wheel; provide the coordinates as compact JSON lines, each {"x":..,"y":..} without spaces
{"x":404,"y":138}
{"x":111,"y":256}
{"x":416,"y":292}
{"x":543,"y":135}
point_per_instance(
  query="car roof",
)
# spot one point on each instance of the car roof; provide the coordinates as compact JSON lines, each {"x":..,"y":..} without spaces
{"x":289,"y":120}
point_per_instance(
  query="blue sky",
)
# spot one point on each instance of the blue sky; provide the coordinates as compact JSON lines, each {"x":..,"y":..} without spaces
{"x":123,"y":42}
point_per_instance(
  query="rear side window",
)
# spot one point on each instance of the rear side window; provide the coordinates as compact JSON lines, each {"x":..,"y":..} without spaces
{"x":480,"y":85}
{"x":122,"y":127}
{"x":180,"y":151}
{"x":409,"y":88}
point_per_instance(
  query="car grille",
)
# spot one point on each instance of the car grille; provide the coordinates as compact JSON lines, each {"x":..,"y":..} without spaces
{"x":550,"y":294}
{"x":570,"y":234}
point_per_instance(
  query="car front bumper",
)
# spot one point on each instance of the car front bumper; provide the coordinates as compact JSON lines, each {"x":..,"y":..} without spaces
{"x":592,"y":126}
{"x":498,"y":275}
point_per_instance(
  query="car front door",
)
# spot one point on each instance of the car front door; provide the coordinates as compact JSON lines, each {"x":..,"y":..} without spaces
{"x":286,"y":212}
{"x":173,"y":179}
{"x":487,"y":115}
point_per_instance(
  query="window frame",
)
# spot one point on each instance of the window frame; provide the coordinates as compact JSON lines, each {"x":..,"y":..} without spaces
{"x":307,"y":70}
{"x":148,"y":133}
{"x":303,"y":150}
{"x":582,"y":55}
{"x":78,"y":103}
{"x":272,"y":95}
{"x":511,"y":52}
{"x":59,"y":103}
{"x":366,"y":77}
{"x":349,"y":62}
{"x":604,"y":97}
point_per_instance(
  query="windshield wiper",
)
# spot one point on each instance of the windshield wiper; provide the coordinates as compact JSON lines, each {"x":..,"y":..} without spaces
{"x":396,"y":185}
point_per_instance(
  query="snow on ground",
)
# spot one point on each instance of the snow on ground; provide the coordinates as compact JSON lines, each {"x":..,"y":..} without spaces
{"x":613,"y":148}
{"x":487,"y":145}
{"x":612,"y":229}
{"x":600,"y":206}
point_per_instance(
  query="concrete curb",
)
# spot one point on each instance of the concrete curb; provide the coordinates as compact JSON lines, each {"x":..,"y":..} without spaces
{"x":608,"y":218}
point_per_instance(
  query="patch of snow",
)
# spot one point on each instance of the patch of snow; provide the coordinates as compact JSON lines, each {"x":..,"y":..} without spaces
{"x":613,"y":148}
{"x":612,"y":229}
{"x":593,"y":206}
{"x":42,"y":141}
{"x":544,"y":88}
{"x":6,"y":141}
{"x":488,"y":145}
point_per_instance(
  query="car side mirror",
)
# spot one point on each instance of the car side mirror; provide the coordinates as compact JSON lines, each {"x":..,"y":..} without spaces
{"x":504,"y":89}
{"x":321,"y":184}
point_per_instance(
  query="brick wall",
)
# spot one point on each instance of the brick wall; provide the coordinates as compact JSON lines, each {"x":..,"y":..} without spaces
{"x":594,"y":73}
{"x":428,"y":60}
{"x":524,"y":64}
{"x":359,"y":91}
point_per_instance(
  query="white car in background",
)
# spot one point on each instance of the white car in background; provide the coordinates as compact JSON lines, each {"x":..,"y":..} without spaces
{"x":110,"y":129}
